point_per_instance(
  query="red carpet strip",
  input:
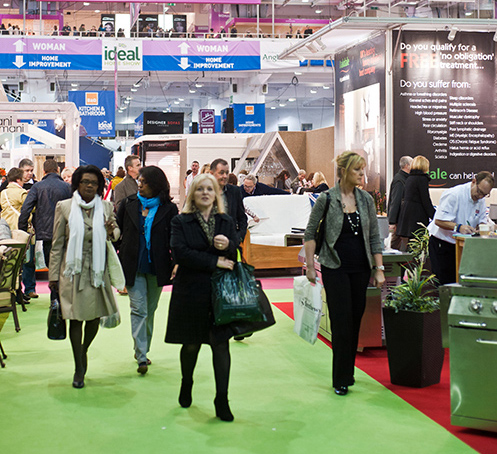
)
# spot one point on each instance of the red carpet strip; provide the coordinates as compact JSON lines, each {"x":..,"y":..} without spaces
{"x":433,"y":401}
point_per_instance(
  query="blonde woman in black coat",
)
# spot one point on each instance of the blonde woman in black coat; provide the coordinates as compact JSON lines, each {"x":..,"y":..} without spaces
{"x":416,"y":207}
{"x":203,"y":239}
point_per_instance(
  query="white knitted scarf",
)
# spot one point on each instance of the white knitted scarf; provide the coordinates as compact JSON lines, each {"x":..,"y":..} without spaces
{"x":74,"y":255}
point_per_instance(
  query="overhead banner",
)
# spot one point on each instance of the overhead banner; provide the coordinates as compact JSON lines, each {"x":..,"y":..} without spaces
{"x":249,"y":118}
{"x":444,"y":103}
{"x":97,"y":111}
{"x":206,"y":55}
{"x":360,"y":107}
{"x":270,"y":51}
{"x":131,"y":54}
{"x":50,"y":53}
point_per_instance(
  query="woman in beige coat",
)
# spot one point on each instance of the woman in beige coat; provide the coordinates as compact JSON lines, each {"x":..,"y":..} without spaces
{"x":12,"y":197}
{"x":78,"y":261}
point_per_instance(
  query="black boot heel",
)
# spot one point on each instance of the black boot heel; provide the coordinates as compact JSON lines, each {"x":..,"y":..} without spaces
{"x":185,"y":394}
{"x":223,"y":411}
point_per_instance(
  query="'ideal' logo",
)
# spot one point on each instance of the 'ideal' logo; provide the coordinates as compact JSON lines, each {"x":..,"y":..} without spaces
{"x":91,"y":99}
{"x":122,"y":54}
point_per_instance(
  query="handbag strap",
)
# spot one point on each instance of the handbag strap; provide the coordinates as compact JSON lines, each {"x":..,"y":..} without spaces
{"x":328,"y":200}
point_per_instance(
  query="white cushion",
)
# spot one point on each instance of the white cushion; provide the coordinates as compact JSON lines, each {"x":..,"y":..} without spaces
{"x":278,"y":213}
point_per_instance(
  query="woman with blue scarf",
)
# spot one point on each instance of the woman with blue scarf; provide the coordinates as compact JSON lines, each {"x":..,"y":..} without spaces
{"x":145,"y":223}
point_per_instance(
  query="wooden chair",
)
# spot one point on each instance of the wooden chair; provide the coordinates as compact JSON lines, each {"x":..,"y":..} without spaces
{"x":11,"y":258}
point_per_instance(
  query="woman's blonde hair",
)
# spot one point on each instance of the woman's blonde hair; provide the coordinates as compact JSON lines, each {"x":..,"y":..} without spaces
{"x":190,"y":206}
{"x":348,"y":161}
{"x":206,"y":168}
{"x":319,"y":178}
{"x":420,"y":163}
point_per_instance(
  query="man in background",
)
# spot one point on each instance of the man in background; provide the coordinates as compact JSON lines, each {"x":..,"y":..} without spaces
{"x":395,"y":196}
{"x":298,"y":181}
{"x":252,"y":187}
{"x":461,"y":210}
{"x":191,"y":176}
{"x":231,"y":196}
{"x":128,"y":186}
{"x":44,"y":196}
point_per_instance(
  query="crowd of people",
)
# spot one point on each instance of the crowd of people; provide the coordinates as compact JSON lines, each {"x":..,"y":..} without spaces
{"x":153,"y":31}
{"x":79,"y":214}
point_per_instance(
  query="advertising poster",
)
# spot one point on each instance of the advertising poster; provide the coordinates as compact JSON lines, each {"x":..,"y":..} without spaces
{"x":207,"y":121}
{"x":109,"y":23}
{"x":360,"y":107}
{"x":147,"y":24}
{"x":179,"y":24}
{"x":97,"y":111}
{"x":163,"y":123}
{"x":249,"y":118}
{"x":444,"y":103}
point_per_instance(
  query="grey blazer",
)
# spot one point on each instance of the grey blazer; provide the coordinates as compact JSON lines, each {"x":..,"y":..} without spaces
{"x":334,"y":222}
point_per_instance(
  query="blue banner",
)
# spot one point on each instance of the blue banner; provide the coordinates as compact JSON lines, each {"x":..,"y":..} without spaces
{"x":46,"y":125}
{"x":139,"y":126}
{"x":201,"y":63}
{"x":97,"y":111}
{"x":249,"y":118}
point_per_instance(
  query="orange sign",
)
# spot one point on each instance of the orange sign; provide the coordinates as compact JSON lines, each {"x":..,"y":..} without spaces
{"x":92,"y":99}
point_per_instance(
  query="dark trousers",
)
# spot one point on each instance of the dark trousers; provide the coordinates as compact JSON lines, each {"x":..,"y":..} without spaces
{"x":346,"y":298}
{"x":29,"y":272}
{"x":443,"y":260}
{"x":47,"y":247}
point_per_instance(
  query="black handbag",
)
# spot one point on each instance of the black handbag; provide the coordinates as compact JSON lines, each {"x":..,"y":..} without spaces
{"x":243,"y":328}
{"x":56,"y":324}
{"x":320,"y":233}
{"x":235,"y":296}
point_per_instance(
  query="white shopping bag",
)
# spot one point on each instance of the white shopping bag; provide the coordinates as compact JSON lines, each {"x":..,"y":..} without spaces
{"x":307,"y":305}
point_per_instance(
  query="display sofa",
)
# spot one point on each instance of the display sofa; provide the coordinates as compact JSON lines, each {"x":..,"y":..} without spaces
{"x":267,"y":242}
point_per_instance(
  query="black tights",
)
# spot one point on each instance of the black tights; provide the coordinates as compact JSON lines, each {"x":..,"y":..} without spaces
{"x":80,"y":347}
{"x":220,"y":359}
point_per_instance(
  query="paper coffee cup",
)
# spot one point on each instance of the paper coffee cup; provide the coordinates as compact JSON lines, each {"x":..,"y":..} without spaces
{"x":484,"y":229}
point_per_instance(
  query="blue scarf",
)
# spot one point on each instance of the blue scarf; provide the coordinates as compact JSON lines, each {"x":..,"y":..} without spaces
{"x":152,"y":205}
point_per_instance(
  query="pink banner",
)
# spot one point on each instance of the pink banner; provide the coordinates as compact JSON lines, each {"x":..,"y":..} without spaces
{"x":222,"y":2}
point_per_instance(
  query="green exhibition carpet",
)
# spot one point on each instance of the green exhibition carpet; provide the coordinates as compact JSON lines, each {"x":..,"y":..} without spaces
{"x":280,"y":394}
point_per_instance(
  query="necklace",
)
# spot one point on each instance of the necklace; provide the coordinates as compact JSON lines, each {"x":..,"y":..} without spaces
{"x":354,"y":227}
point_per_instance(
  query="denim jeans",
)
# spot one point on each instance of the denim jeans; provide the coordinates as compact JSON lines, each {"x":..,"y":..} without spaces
{"x":144,"y":298}
{"x":29,"y":272}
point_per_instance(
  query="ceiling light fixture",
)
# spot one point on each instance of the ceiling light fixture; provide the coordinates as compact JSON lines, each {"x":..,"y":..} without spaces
{"x":452,"y":33}
{"x":326,"y":87}
{"x":199,"y":85}
{"x":86,"y":4}
{"x":134,"y":89}
{"x":176,"y":102}
{"x":191,"y":90}
{"x":181,"y":99}
{"x":291,"y":99}
{"x":74,"y":85}
{"x":282,"y":104}
{"x":318,"y":11}
{"x":313,"y":91}
{"x":273,"y":108}
{"x":297,"y":73}
{"x":97,"y":10}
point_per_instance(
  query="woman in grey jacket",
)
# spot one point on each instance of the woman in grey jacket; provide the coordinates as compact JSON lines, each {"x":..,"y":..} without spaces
{"x":351,"y":248}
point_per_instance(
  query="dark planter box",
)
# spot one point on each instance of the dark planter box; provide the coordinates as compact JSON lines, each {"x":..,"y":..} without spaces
{"x":414,"y":347}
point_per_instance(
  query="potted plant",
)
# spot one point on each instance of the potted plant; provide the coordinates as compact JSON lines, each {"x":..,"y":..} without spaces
{"x":412,"y":324}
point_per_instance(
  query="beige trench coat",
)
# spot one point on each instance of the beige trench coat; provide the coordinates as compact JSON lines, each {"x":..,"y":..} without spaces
{"x":79,"y":299}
